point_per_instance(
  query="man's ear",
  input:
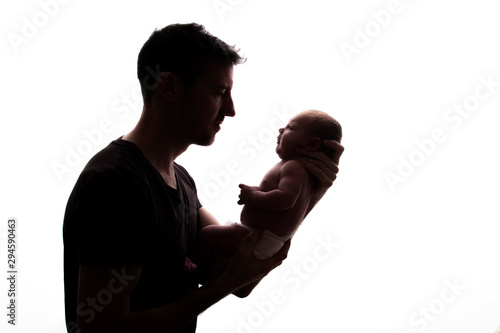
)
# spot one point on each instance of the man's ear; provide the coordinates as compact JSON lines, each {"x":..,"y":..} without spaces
{"x":168,"y":85}
{"x":313,"y":144}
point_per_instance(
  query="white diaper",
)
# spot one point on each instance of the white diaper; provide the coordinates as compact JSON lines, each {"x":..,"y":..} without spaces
{"x":268,"y":245}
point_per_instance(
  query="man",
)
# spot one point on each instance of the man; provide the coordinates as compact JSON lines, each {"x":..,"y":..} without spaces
{"x":132,"y":220}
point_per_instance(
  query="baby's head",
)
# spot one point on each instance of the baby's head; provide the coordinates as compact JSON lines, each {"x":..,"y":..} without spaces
{"x":325,"y":127}
{"x":308,"y":129}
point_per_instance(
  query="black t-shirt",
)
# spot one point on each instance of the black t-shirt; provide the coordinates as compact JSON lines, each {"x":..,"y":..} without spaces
{"x":121,"y":211}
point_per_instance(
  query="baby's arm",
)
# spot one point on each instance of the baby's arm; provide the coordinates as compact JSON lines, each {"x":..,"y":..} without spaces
{"x":292,"y":177}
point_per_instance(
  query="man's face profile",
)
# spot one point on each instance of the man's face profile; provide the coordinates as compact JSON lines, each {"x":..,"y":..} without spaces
{"x":208,"y":102}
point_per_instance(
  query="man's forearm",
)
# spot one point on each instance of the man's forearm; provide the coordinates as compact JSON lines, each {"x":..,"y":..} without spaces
{"x":241,"y":270}
{"x":174,"y":316}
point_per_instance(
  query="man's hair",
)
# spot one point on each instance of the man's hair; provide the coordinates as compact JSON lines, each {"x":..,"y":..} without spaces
{"x":184,"y":50}
{"x":325,"y":127}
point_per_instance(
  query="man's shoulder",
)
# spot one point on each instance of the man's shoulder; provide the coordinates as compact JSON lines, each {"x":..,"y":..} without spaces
{"x":116,"y":164}
{"x":117,"y":153}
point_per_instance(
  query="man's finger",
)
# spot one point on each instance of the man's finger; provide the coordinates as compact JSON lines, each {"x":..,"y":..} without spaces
{"x":338,"y":150}
{"x":278,"y":258}
{"x":333,"y":144}
{"x":320,"y":174}
{"x":283,"y":253}
{"x":318,"y":155}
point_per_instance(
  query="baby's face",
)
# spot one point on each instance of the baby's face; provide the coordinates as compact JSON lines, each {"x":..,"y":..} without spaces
{"x":295,"y":134}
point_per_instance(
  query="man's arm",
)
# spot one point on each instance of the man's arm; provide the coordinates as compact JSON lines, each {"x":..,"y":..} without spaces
{"x":292,"y":177}
{"x":206,"y":218}
{"x":120,"y":281}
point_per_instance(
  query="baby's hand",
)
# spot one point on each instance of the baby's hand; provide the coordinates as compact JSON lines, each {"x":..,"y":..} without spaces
{"x":246,"y":193}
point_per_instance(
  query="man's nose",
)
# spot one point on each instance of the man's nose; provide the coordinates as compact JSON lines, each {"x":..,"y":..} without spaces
{"x":228,"y":106}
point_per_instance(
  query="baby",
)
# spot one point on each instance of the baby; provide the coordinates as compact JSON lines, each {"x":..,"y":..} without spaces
{"x":279,"y":204}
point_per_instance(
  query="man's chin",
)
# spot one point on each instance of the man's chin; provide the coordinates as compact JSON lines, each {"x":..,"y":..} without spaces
{"x":205,"y":141}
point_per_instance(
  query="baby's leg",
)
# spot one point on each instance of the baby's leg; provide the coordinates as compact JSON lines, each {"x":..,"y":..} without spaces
{"x":215,"y":243}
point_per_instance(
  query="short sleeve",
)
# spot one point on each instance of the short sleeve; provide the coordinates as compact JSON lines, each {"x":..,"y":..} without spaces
{"x":108,"y":216}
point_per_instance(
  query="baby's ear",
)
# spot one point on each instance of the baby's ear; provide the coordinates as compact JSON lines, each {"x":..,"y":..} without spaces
{"x":314,"y":144}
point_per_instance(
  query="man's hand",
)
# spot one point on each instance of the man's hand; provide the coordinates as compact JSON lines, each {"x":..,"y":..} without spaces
{"x":244,"y":269}
{"x":246,"y":193}
{"x":323,"y":168}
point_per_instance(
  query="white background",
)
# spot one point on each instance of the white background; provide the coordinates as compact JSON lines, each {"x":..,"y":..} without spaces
{"x":399,"y":249}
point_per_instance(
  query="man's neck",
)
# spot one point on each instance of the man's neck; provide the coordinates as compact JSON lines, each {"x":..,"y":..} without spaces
{"x":160,"y":145}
